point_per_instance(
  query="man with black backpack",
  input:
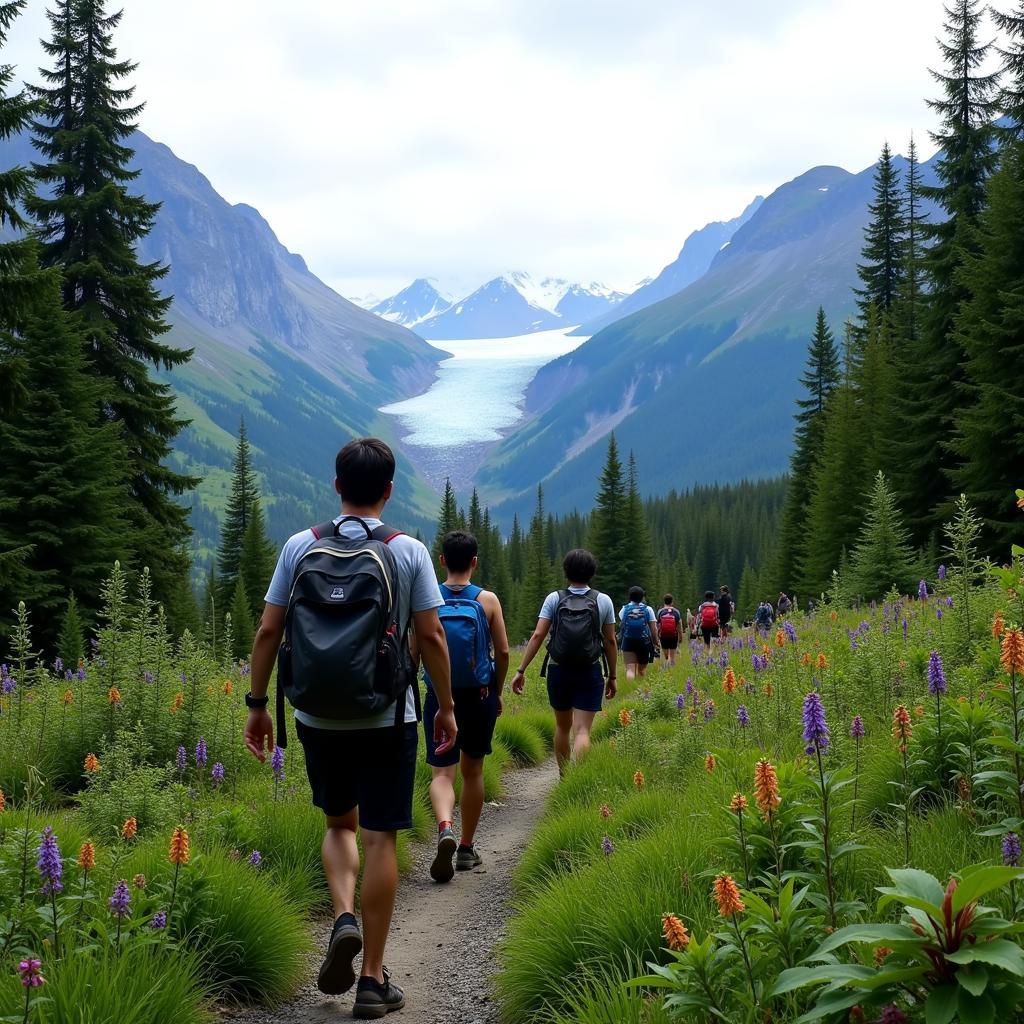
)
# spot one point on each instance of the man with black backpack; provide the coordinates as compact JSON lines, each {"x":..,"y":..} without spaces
{"x":344,"y":597}
{"x":580,"y":622}
{"x":473,"y":624}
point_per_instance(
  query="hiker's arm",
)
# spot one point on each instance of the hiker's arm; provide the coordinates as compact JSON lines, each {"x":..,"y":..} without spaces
{"x":499,"y":638}
{"x":532,"y":647}
{"x":433,"y":649}
{"x":611,"y":652}
{"x":259,"y":728}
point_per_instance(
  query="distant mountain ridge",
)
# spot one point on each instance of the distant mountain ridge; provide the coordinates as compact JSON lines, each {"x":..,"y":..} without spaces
{"x":415,"y":303}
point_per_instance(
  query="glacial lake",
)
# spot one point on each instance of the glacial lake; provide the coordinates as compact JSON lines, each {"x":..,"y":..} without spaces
{"x":475,"y":400}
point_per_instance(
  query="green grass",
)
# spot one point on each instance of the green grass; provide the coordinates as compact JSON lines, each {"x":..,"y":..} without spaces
{"x":521,"y":738}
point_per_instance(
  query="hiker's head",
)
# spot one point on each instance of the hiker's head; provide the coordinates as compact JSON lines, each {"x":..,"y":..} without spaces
{"x":636,"y":594}
{"x":579,"y":566}
{"x":458,"y":551}
{"x":725,"y":589}
{"x":668,"y":599}
{"x":709,"y":595}
{"x":364,"y":471}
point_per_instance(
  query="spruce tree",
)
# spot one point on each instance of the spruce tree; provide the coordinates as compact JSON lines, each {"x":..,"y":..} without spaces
{"x":608,"y":537}
{"x":1011,"y":99}
{"x":933,"y":370}
{"x":237,"y":513}
{"x":516,"y":559}
{"x":910,"y":297}
{"x":538,"y":571}
{"x":89,"y":224}
{"x":876,"y":389}
{"x":641,"y":558}
{"x":882,"y":558}
{"x":448,"y":519}
{"x":881,"y":272}
{"x":258,"y":557}
{"x":242,"y":630}
{"x":71,"y":643}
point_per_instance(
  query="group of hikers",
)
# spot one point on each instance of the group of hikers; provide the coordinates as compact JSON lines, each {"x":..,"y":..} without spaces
{"x":352,"y":613}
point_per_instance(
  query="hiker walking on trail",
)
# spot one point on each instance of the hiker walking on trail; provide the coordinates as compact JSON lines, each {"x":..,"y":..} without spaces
{"x":579,"y":624}
{"x":764,"y":616}
{"x":473,"y":623}
{"x":670,"y":625}
{"x":784,"y":605}
{"x":708,"y":621}
{"x":343,"y":597}
{"x":637,"y":635}
{"x":726,"y":607}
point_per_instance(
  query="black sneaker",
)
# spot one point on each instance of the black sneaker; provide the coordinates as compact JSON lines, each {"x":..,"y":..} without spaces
{"x":467,"y":858}
{"x":376,"y":1000}
{"x":337,"y":975}
{"x":441,"y":870}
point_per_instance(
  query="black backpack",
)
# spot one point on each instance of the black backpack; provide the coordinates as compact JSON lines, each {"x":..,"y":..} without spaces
{"x":345,"y":655}
{"x":575,"y":640}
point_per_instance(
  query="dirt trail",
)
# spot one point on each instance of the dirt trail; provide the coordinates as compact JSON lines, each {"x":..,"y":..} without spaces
{"x":443,"y":936}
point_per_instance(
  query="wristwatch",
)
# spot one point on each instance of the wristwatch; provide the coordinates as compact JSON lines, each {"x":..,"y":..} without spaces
{"x":256,"y":703}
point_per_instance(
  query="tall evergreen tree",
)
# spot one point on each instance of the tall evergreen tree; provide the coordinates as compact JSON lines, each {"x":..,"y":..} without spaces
{"x":608,"y":537}
{"x":910,"y":297}
{"x":237,"y":513}
{"x":89,"y":224}
{"x":448,"y":519}
{"x":257,"y":559}
{"x":538,"y":571}
{"x":1011,"y":98}
{"x":241,"y":621}
{"x":881,"y":273}
{"x":641,"y":554}
{"x":876,"y":389}
{"x":967,"y":107}
{"x":882,"y":558}
{"x":516,"y":543}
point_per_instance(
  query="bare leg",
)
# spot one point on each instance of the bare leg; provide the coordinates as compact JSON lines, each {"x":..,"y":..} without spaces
{"x":377,"y":899}
{"x":340,"y":857}
{"x":563,"y":727}
{"x":472,"y":803}
{"x":629,"y":658}
{"x":442,"y":793}
{"x":582,"y":722}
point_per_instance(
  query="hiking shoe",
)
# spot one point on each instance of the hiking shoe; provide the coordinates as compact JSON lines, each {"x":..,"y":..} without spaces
{"x":337,"y":975}
{"x":441,"y":870}
{"x":467,"y":858}
{"x":376,"y":1000}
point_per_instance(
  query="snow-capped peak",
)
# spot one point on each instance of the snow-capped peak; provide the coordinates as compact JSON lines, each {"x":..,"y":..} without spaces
{"x":416,"y":302}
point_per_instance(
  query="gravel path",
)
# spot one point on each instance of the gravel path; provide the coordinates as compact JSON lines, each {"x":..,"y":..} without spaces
{"x":443,"y":936}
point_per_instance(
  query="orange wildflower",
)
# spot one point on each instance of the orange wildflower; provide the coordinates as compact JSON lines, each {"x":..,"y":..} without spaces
{"x":92,"y":763}
{"x":113,"y":695}
{"x":625,"y":717}
{"x":179,"y":846}
{"x":822,"y":663}
{"x":674,"y":931}
{"x":901,"y":728}
{"x":834,"y":615}
{"x":228,"y":686}
{"x":998,"y":625}
{"x":68,"y":698}
{"x":3,"y":802}
{"x":727,"y":896}
{"x":129,"y":829}
{"x":806,"y":659}
{"x":638,"y":779}
{"x":87,"y":857}
{"x":709,"y":763}
{"x":1012,"y":656}
{"x":768,"y":690}
{"x":881,"y":952}
{"x":738,"y":803}
{"x":178,"y":703}
{"x":919,"y":711}
{"x":139,"y":881}
{"x":605,"y":811}
{"x":729,"y":681}
{"x":766,"y":787}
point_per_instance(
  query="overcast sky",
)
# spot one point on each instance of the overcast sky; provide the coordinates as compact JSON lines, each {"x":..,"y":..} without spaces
{"x":392,"y":139}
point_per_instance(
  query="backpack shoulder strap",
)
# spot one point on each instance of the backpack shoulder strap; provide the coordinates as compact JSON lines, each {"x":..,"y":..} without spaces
{"x":322,"y":530}
{"x":471,"y":592}
{"x":385,"y":534}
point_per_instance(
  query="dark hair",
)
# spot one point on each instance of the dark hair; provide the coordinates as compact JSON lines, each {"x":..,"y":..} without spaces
{"x":636,"y":594}
{"x":709,"y":595}
{"x":668,"y":599}
{"x":459,"y":549}
{"x":725,"y":589}
{"x":364,"y":469}
{"x":579,"y":566}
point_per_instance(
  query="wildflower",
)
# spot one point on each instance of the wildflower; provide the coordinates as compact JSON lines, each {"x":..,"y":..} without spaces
{"x":49,"y":863}
{"x":709,"y":763}
{"x":768,"y":690}
{"x":998,"y":625}
{"x":674,"y":931}
{"x":709,"y":710}
{"x":780,"y":638}
{"x":228,"y":687}
{"x":201,"y":752}
{"x":738,"y":803}
{"x":790,"y":630}
{"x":606,"y":846}
{"x":178,"y":703}
{"x":625,"y":717}
{"x":113,"y":695}
{"x":606,"y":811}
{"x":129,"y":829}
{"x":806,"y":659}
{"x":815,"y":727}
{"x":892,"y":1014}
{"x":833,"y":615}
{"x":638,"y":779}
{"x":904,"y":629}
{"x":1011,"y":849}
{"x":692,"y":717}
{"x":857,"y":727}
{"x":68,"y":698}
{"x":92,"y":763}
{"x":179,"y":846}
{"x":3,"y":802}
{"x":766,"y":787}
{"x":901,"y":728}
{"x":880,"y":954}
{"x":87,"y":857}
{"x":680,"y":702}
{"x":147,"y":676}
{"x":729,"y":681}
{"x":919,"y":711}
{"x":1012,"y":656}
{"x":727,"y":896}
{"x":941,"y":573}
{"x":936,"y":675}
{"x":159,"y":921}
{"x":922,"y":590}
{"x":121,"y":900}
{"x":255,"y":858}
{"x":217,"y":774}
{"x":30,"y":973}
{"x":139,"y":881}
{"x":743,"y":716}
{"x":822,"y":663}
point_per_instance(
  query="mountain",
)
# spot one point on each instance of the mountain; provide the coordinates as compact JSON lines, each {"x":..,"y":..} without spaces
{"x":517,"y":303}
{"x":416,"y":302}
{"x":692,"y":263}
{"x":701,"y":384}
{"x":307,"y":368}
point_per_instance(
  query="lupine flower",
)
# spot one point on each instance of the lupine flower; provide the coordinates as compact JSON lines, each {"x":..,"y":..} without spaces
{"x":121,"y":901}
{"x":729,"y":681}
{"x":113,"y":695}
{"x":58,"y":665}
{"x":638,"y":779}
{"x":179,"y":846}
{"x":892,"y":1014}
{"x":901,"y":728}
{"x":129,"y":829}
{"x":277,"y":763}
{"x":625,"y":717}
{"x":29,"y":970}
{"x":139,"y":881}
{"x":815,"y":727}
{"x":790,"y":630}
{"x":606,"y":846}
{"x":709,"y":763}
{"x":1011,"y":849}
{"x":201,"y":752}
{"x":1012,"y":651}
{"x":690,"y":689}
{"x":80,"y":673}
{"x":949,"y":601}
{"x":217,"y":774}
{"x":680,"y":702}
{"x":857,"y":727}
{"x":674,"y":931}
{"x":87,"y":857}
{"x":255,"y":858}
{"x":8,"y":685}
{"x":942,"y":572}
{"x":766,"y":787}
{"x":147,"y":676}
{"x":606,"y":811}
{"x":936,"y":675}
{"x":727,"y":896}
{"x":742,"y":716}
{"x":922,"y":590}
{"x":709,"y":710}
{"x":49,"y":863}
{"x":738,"y":803}
{"x":159,"y":921}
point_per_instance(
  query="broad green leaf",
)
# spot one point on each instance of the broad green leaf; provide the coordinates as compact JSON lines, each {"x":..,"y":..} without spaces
{"x":917,"y":883}
{"x":974,"y":978}
{"x":831,"y":1003}
{"x":999,"y":953}
{"x":975,"y":1009}
{"x":941,"y":1005}
{"x":983,"y":880}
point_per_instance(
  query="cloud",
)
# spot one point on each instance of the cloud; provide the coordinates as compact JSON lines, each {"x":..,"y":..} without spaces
{"x":462,"y":137}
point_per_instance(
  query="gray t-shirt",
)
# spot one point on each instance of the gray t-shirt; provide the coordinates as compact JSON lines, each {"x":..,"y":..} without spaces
{"x":417,"y":592}
{"x":605,"y":607}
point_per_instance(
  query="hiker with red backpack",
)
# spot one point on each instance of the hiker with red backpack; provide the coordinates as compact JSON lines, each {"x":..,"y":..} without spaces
{"x":708,"y":621}
{"x":474,"y":625}
{"x":637,"y":634}
{"x":579,"y":624}
{"x":670,"y":625}
{"x":344,"y":597}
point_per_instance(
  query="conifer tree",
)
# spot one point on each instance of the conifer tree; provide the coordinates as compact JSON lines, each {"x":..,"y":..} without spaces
{"x":910,"y":297}
{"x":516,"y":559}
{"x":882,"y":558}
{"x":258,"y":557}
{"x":641,"y":556}
{"x":538,"y":571}
{"x":241,"y":621}
{"x":71,"y":643}
{"x":1011,"y":98}
{"x":237,"y":512}
{"x":882,"y":269}
{"x":448,"y":519}
{"x":89,"y":224}
{"x":876,"y":390}
{"x":609,"y":528}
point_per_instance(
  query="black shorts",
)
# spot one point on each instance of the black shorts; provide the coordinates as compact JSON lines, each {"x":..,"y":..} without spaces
{"x":640,"y":646}
{"x":670,"y":643}
{"x":372,"y":769}
{"x":708,"y":632}
{"x":476,"y":711}
{"x":579,"y":688}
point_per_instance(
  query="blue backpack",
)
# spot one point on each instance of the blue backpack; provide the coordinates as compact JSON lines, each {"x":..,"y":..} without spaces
{"x":634,"y":622}
{"x":469,"y":637}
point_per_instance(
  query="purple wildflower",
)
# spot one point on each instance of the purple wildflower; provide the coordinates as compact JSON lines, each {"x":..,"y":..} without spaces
{"x":29,"y":970}
{"x":938,"y":613}
{"x":857,"y":727}
{"x":742,"y":716}
{"x":217,"y":774}
{"x":181,"y":761}
{"x":147,"y":676}
{"x":277,"y":763}
{"x":606,"y":846}
{"x":1011,"y":849}
{"x":723,"y":659}
{"x":790,"y":630}
{"x":936,"y":675}
{"x":159,"y":921}
{"x":815,"y":726}
{"x":58,"y":665}
{"x":689,"y":685}
{"x":942,"y":572}
{"x":922,"y":590}
{"x":904,"y":629}
{"x":709,"y":710}
{"x":49,"y":863}
{"x":892,"y":1014}
{"x":680,"y":701}
{"x":121,"y":902}
{"x":201,"y":752}
{"x":949,"y":601}
{"x":80,"y":674}
{"x":255,"y":858}
{"x":67,"y":675}
{"x":9,"y":685}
